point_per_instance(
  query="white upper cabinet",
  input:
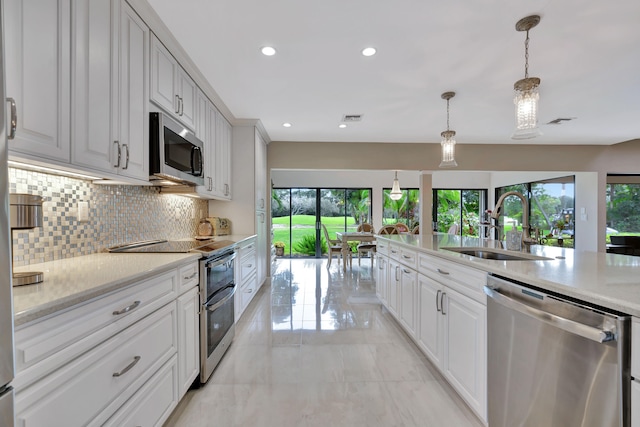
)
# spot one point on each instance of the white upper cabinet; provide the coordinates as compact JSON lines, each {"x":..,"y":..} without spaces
{"x":261,"y":172}
{"x":110,"y":118}
{"x":222,"y":184}
{"x":37,"y":45}
{"x":171,"y":87}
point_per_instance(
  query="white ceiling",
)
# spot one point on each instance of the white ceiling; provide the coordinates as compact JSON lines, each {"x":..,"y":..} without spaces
{"x":586,"y":52}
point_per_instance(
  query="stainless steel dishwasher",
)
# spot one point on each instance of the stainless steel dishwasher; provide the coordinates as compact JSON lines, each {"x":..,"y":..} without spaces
{"x":554,"y":362}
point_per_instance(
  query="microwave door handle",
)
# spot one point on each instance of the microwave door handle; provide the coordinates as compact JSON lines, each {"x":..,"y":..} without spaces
{"x":196,"y":158}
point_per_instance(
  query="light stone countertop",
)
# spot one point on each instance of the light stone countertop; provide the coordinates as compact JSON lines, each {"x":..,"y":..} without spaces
{"x":607,"y":280}
{"x":71,"y":281}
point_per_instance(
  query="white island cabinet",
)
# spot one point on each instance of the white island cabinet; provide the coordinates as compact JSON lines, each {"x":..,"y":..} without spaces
{"x":635,"y":372}
{"x":442,"y":307}
{"x":126,"y":356}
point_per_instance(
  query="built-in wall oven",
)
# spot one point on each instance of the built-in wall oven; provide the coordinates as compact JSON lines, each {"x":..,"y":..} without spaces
{"x":217,"y":290}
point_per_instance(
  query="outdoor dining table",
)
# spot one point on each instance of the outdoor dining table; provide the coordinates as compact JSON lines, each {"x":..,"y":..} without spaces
{"x":352,"y":236}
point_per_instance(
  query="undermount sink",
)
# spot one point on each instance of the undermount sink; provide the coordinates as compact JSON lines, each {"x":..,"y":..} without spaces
{"x":487,"y":253}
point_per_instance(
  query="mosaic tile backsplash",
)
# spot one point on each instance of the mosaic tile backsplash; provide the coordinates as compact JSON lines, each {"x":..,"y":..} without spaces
{"x":117,"y":214}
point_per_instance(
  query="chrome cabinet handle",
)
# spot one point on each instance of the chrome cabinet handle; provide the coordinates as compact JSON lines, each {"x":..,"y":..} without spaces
{"x":394,"y":252}
{"x":127,"y":309}
{"x":190,"y":277}
{"x":437,"y":298}
{"x":126,"y":162}
{"x":226,"y":189}
{"x":446,"y":273}
{"x":405,"y":271}
{"x":177,"y":104}
{"x":406,"y":257}
{"x":442,"y":295}
{"x":128,"y":367}
{"x":210,"y":183}
{"x":181,"y":107}
{"x":117,"y":165}
{"x":14,"y":118}
{"x":249,"y":265}
{"x":397,"y":268}
{"x":249,"y":290}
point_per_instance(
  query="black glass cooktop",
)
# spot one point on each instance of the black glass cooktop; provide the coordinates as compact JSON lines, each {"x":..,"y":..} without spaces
{"x":173,"y":246}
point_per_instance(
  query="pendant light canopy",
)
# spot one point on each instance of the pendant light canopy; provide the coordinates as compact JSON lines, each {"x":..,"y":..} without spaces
{"x":448,"y":139}
{"x":396,"y":193}
{"x":526,"y":90}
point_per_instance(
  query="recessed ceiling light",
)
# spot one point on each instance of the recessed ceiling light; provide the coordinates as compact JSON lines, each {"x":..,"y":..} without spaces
{"x":268,"y":51}
{"x":342,"y":126}
{"x":287,"y":125}
{"x":369,"y":51}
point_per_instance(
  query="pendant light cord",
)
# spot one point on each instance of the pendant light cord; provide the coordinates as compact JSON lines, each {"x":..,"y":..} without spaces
{"x":526,"y":56}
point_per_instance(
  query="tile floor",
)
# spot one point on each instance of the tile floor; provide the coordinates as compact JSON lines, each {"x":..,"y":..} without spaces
{"x":317,"y":349}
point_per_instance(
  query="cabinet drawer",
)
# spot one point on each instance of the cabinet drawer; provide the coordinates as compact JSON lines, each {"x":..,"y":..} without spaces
{"x":189,"y":276}
{"x":46,"y":345}
{"x":467,"y":281}
{"x":408,"y":257}
{"x":382,"y":246}
{"x":153,"y":403}
{"x":247,"y":266}
{"x":248,"y":291}
{"x":90,"y":389}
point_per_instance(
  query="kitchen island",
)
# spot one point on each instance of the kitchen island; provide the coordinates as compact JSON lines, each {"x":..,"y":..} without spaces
{"x":436,"y":293}
{"x":607,"y":280}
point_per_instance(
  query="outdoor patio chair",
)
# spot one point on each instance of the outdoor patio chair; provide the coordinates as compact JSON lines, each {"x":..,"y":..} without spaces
{"x":388,"y":229}
{"x":365,"y":227}
{"x":334,"y":246}
{"x":416,"y":230}
{"x":453,"y":229}
{"x":402,"y":228}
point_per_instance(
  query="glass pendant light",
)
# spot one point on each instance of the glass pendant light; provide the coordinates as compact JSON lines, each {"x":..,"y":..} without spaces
{"x":448,"y":139}
{"x":396,"y":193}
{"x":526,"y":90}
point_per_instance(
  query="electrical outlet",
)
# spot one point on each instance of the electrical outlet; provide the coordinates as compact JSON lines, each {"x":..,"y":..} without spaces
{"x":83,"y":211}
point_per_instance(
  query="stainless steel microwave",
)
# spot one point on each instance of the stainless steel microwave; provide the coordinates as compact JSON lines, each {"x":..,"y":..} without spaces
{"x":175,"y":154}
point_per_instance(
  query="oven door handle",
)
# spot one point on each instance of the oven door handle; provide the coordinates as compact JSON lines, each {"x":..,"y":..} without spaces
{"x":218,"y":304}
{"x":220,"y":260}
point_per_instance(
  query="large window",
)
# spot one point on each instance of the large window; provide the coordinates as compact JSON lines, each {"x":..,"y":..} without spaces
{"x":405,"y":210}
{"x":297,"y":212}
{"x":458,"y":211}
{"x":551,"y":209}
{"x":623,"y":205}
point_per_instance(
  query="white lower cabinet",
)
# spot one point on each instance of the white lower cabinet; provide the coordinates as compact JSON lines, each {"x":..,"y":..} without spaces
{"x":122,"y":359}
{"x":408,"y":299}
{"x":89,"y":389}
{"x":153,"y":403}
{"x":465,"y":352}
{"x":393,"y":285}
{"x":430,"y":329}
{"x":188,"y":339}
{"x":247,"y":283}
{"x":635,"y":372}
{"x":381,"y":278}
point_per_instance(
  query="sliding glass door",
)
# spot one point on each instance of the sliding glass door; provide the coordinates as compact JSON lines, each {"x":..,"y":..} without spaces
{"x":298,"y":212}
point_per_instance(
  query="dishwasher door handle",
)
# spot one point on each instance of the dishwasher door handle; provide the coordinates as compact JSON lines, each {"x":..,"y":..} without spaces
{"x":571,"y":326}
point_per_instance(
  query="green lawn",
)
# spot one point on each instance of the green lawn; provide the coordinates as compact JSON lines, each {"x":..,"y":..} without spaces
{"x":305,"y":225}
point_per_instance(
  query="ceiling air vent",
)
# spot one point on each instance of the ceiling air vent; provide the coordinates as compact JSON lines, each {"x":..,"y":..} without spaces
{"x":350,"y":118}
{"x":559,"y":120}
